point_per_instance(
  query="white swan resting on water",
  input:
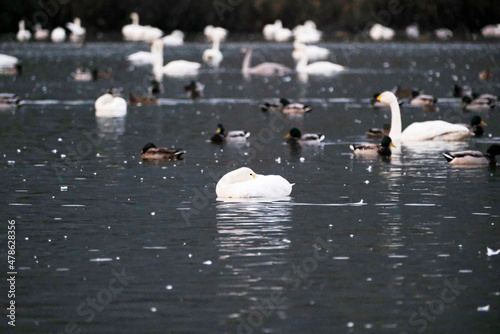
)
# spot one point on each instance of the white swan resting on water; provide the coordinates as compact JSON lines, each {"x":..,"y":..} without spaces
{"x":213,"y":56}
{"x":245,"y":183}
{"x":7,"y":61}
{"x":176,"y":38}
{"x":313,"y":52}
{"x":110,"y":105}
{"x":58,"y":35}
{"x":421,"y":131}
{"x":174,"y":68}
{"x":319,"y":67}
{"x":23,"y":35}
{"x":136,"y":32}
{"x":142,"y":57}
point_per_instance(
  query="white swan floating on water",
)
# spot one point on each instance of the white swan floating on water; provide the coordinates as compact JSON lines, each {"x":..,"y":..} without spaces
{"x":245,"y":183}
{"x":421,"y":131}
{"x":175,"y":68}
{"x":110,"y":105}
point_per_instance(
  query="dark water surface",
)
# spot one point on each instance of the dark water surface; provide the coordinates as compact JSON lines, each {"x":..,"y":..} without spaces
{"x":109,"y":244}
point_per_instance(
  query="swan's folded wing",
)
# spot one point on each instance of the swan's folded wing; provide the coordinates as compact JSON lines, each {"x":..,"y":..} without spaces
{"x":429,"y":130}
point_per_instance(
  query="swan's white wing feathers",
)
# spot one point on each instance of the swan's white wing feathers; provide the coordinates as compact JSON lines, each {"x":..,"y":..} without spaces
{"x":434,"y":130}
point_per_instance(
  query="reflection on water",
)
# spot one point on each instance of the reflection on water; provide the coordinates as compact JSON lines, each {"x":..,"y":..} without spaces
{"x":112,"y":127}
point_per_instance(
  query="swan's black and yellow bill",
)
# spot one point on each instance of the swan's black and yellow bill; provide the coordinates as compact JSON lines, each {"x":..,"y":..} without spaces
{"x":379,"y":97}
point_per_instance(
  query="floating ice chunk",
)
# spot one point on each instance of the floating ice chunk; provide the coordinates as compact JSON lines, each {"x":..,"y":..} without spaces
{"x":154,"y":309}
{"x":59,"y":139}
{"x":64,"y":188}
{"x":101,"y":259}
{"x":208,"y":262}
{"x":278,"y":160}
{"x":485,"y":308}
{"x":491,"y":252}
{"x":153,"y":213}
{"x":350,"y":324}
{"x":302,"y":159}
{"x":168,"y":287}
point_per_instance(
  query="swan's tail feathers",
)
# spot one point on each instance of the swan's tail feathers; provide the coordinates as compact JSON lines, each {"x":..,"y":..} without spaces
{"x":307,"y":109}
{"x":352,"y":147}
{"x":292,"y":184}
{"x":448,"y":156}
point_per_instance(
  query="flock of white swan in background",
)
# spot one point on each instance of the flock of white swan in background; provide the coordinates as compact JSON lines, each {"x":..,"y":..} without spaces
{"x":243,"y":182}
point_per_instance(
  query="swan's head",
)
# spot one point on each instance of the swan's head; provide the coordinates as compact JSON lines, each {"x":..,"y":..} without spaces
{"x":77,"y":21}
{"x":242,"y":174}
{"x":310,"y":24}
{"x":493,"y":150}
{"x":476,"y":120}
{"x":208,"y":29}
{"x":157,"y":46}
{"x":177,"y":33}
{"x":278,"y":24}
{"x":387,"y":98}
{"x":386,"y":142}
{"x":134,"y":16}
{"x":294,"y":133}
{"x":147,"y":147}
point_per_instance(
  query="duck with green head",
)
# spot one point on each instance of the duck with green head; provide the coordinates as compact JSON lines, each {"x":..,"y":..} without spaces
{"x":295,"y":137}
{"x":473,"y":158}
{"x":221,"y":136}
{"x":371,"y":149}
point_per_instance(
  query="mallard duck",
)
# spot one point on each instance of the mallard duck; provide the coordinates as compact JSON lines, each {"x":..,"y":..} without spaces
{"x":378,"y":133}
{"x":194,"y":90}
{"x":422,"y":100}
{"x":475,"y":126}
{"x":9,"y":100}
{"x":245,"y":183}
{"x":461,"y":91}
{"x":421,"y":131}
{"x":151,"y":152}
{"x":232,"y":136}
{"x":405,"y":93}
{"x":473,"y":157}
{"x":481,"y":102}
{"x":296,"y":137}
{"x":286,"y":107}
{"x":374,"y":149}
{"x":142,"y":100}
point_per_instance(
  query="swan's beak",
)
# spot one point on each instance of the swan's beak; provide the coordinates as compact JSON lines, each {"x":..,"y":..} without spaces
{"x":287,"y":136}
{"x":379,"y":97}
{"x":392,"y":145}
{"x":253,"y":176}
{"x":483,"y":123}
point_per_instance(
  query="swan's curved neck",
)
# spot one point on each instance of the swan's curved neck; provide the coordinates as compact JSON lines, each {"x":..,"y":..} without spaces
{"x":246,"y":61}
{"x":157,"y":51}
{"x":216,"y":44}
{"x":302,"y":63}
{"x":21,"y":25}
{"x":135,"y":20}
{"x":395,"y":121}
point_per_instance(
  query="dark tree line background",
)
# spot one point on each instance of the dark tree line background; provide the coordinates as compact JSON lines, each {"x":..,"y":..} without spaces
{"x":249,"y":16}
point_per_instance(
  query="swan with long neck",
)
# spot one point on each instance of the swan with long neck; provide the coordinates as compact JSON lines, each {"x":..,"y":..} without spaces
{"x":319,"y":67}
{"x":23,"y":35}
{"x":421,"y":131}
{"x":263,"y":68}
{"x":213,"y":56}
{"x":176,"y":68}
